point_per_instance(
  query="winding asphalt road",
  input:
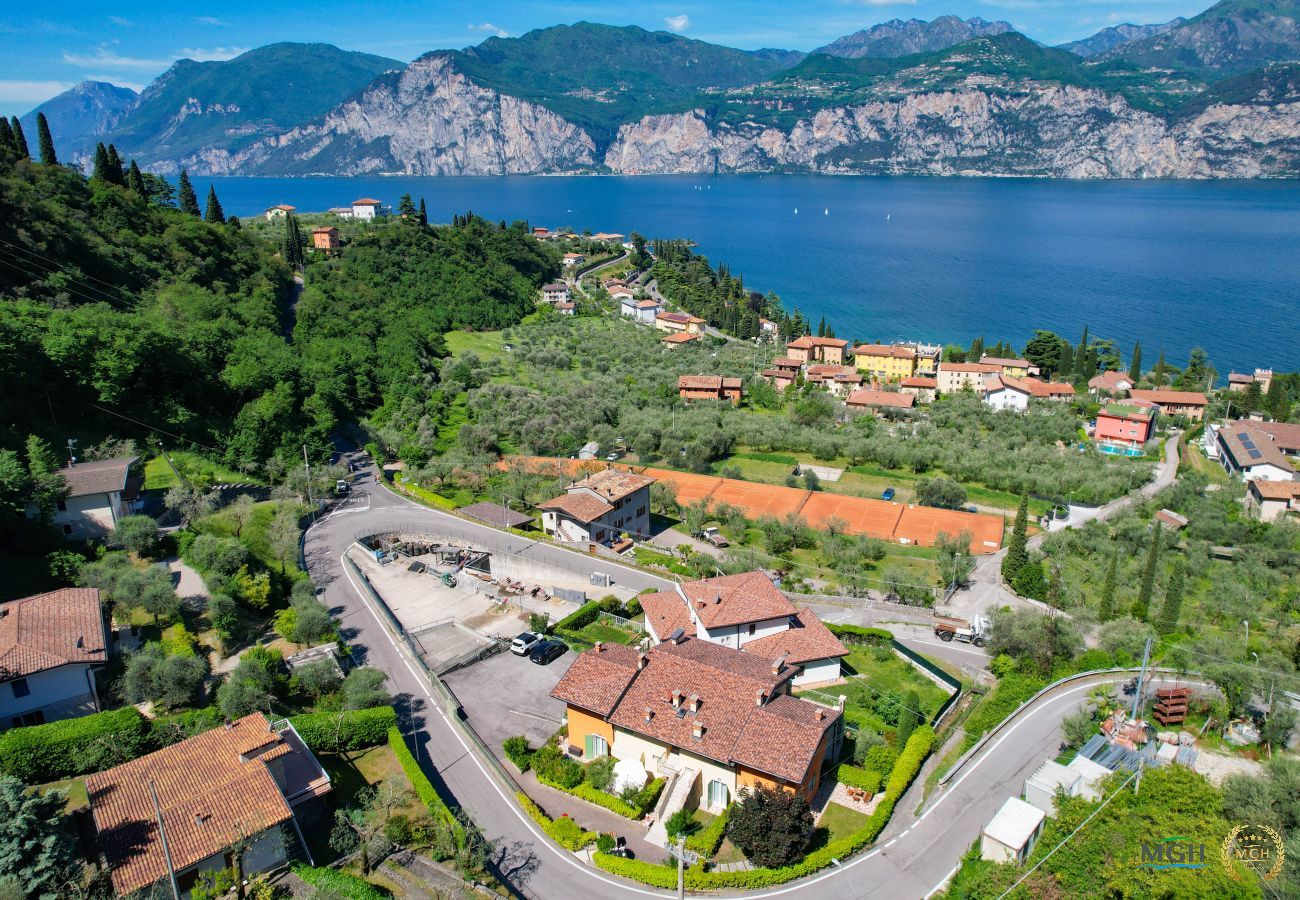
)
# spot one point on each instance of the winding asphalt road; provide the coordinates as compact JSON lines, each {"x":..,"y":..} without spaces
{"x":907,"y":862}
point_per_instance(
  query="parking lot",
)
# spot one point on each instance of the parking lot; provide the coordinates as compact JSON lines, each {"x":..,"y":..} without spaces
{"x":507,"y":695}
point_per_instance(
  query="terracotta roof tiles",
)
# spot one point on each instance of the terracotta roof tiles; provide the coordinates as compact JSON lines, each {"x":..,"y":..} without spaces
{"x":807,"y":639}
{"x":49,"y":630}
{"x":101,"y":476}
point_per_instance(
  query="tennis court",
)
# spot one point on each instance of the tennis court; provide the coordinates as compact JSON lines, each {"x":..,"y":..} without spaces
{"x":691,"y":488}
{"x":923,"y":525}
{"x":758,"y":500}
{"x":875,"y":518}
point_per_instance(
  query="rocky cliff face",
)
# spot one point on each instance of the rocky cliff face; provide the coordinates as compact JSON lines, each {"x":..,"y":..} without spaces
{"x":428,"y":119}
{"x":1058,"y":131}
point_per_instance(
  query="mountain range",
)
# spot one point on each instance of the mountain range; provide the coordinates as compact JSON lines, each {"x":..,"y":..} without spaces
{"x":1217,"y":95}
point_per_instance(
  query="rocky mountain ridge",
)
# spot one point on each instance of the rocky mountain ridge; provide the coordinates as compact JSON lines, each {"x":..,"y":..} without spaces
{"x":1118,"y":35}
{"x":899,"y":37}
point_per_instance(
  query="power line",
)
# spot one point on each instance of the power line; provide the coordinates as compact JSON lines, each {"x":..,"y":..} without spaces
{"x":37,"y":257}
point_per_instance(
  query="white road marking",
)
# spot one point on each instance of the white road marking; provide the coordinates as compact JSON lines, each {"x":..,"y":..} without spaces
{"x":947,"y":644}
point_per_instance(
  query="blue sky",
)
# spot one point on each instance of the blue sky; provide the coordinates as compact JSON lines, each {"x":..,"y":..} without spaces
{"x":48,"y":46}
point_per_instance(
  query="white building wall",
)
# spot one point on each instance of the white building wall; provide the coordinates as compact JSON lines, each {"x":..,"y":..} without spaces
{"x":364,"y":212}
{"x":1007,"y":399}
{"x":818,"y":670}
{"x":738,"y":635}
{"x":1267,"y":472}
{"x":52,"y":687}
{"x":650,"y":753}
{"x":91,"y":516}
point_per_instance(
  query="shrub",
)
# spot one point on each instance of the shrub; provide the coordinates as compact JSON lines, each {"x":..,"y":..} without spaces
{"x":363,"y":688}
{"x":880,"y":758}
{"x":605,"y":842}
{"x":856,"y":634}
{"x":136,"y":534}
{"x":680,"y":824}
{"x":707,"y":840}
{"x":861,"y":779}
{"x":554,"y":767}
{"x":342,"y":884}
{"x":424,"y":788}
{"x":517,"y":752}
{"x":330,"y":732}
{"x":1010,"y":692}
{"x":581,"y":617}
{"x":42,"y":753}
{"x":564,"y":831}
{"x":600,"y":773}
{"x":217,"y":555}
{"x":770,"y":826}
{"x":167,"y":730}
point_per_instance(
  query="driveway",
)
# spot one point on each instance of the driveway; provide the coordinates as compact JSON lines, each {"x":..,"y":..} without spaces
{"x":506,"y":695}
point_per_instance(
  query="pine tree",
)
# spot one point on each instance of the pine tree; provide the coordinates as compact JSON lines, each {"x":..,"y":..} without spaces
{"x":1135,"y":367}
{"x":1173,"y":598}
{"x":1106,"y":609}
{"x":20,"y":139}
{"x":406,"y":208}
{"x":424,"y":215}
{"x":45,"y":141}
{"x":100,"y":172}
{"x":214,"y":213}
{"x":135,"y":181}
{"x":1142,"y":606}
{"x":115,"y":172}
{"x":1017,"y":548}
{"x":188,"y":200}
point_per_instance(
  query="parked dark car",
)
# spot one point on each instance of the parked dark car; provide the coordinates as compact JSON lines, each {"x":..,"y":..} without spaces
{"x":548,"y":652}
{"x":888,"y":494}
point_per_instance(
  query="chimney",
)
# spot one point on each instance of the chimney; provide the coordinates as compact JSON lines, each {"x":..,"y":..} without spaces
{"x":649,"y":714}
{"x":820,"y":714}
{"x":759,"y":696}
{"x":641,"y":660}
{"x":600,"y":645}
{"x":678,"y":697}
{"x":697,"y":730}
{"x":695,"y":703}
{"x":843,"y":700}
{"x":717,"y":598}
{"x":778,"y":664}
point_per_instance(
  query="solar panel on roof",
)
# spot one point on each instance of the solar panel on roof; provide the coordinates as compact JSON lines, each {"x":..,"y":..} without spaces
{"x":1247,"y":443}
{"x":1255,"y":454}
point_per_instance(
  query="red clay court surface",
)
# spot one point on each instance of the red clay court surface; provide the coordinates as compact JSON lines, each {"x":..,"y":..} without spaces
{"x":888,"y":521}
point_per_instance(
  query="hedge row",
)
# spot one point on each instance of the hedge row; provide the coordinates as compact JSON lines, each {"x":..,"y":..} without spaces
{"x":341,"y":883}
{"x":564,"y":831}
{"x":331,"y":732}
{"x":707,"y":840}
{"x":41,"y":753}
{"x":856,"y":634}
{"x":905,"y":770}
{"x":423,"y":787}
{"x":862,"y":779}
{"x":645,"y":798}
{"x":581,"y":617}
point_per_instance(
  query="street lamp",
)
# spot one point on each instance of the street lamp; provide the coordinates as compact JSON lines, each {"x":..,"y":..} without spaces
{"x":1246,"y":622}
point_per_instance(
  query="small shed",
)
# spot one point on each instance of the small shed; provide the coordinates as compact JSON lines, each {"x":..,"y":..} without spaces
{"x":1041,"y":787}
{"x":1011,"y":835}
{"x":590,"y":450}
{"x":1090,"y":774}
{"x":1171,"y":519}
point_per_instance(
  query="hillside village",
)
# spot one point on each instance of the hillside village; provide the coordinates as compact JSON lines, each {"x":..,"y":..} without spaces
{"x":690,"y":580}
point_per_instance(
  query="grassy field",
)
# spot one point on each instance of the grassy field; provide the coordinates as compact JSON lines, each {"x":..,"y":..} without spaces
{"x":255,"y":533}
{"x":600,"y":631}
{"x":883,"y":672}
{"x":486,"y":344}
{"x":840,"y":821}
{"x":76,"y":788}
{"x":159,"y":476}
{"x":350,"y":773}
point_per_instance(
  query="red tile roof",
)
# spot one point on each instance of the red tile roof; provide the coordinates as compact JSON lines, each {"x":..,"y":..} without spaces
{"x":893,"y":399}
{"x":665,"y":612}
{"x":736,"y":599}
{"x":1239,"y":440}
{"x":581,"y":507}
{"x":1275,"y":490}
{"x":806,"y":640}
{"x":46,"y":631}
{"x":597,"y":680}
{"x":1285,"y":434}
{"x":787,"y":362}
{"x":212,"y":789}
{"x":973,"y":368}
{"x":782,"y":737}
{"x":889,"y":350}
{"x":918,"y":381}
{"x":1039,"y":388}
{"x":1171,"y":398}
{"x":679,"y":338}
{"x":366,"y":201}
{"x":808,"y":341}
{"x":613,"y":484}
{"x":1004,"y":362}
{"x":1109,"y":381}
{"x":101,"y":476}
{"x":700,"y":382}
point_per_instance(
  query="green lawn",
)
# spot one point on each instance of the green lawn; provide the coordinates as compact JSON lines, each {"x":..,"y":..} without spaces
{"x":349,"y":774}
{"x":840,"y":821}
{"x":195,"y":467}
{"x":158,"y":476}
{"x":485,"y":344}
{"x":600,"y":631}
{"x":254,"y":534}
{"x":76,"y":788}
{"x":881,"y":674}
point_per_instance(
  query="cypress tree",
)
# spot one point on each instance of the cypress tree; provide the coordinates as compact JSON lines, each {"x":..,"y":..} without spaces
{"x":1017,"y":549}
{"x":1279,"y":404}
{"x":45,"y":141}
{"x":1142,"y":606}
{"x":1065,"y":363}
{"x":1106,"y":609}
{"x":214,"y":207}
{"x":293,"y":251}
{"x":821,"y":327}
{"x":976,"y":349}
{"x":1089,"y":364}
{"x":8,"y":147}
{"x":424,"y":215}
{"x":20,"y":139}
{"x":1135,"y":367}
{"x":1158,"y":373}
{"x":189,"y":201}
{"x":908,"y":719}
{"x":100,"y":171}
{"x":135,"y":181}
{"x":1173,"y":598}
{"x":115,"y":173}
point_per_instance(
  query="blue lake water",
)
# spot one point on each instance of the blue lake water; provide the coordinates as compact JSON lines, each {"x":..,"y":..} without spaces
{"x":1174,"y":264}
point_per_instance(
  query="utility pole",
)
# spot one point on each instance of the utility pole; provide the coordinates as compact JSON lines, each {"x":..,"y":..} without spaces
{"x":307,"y":466}
{"x":1137,"y":695}
{"x":72,"y":450}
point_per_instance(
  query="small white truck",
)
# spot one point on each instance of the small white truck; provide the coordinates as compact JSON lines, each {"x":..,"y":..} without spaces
{"x":948,"y":628}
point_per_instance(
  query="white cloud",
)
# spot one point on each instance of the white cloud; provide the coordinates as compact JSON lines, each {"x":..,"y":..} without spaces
{"x":111,"y":59}
{"x":31,"y":92}
{"x":678,"y":23}
{"x":120,"y":20}
{"x":488,"y":26}
{"x":210,"y":54}
{"x":209,"y":20}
